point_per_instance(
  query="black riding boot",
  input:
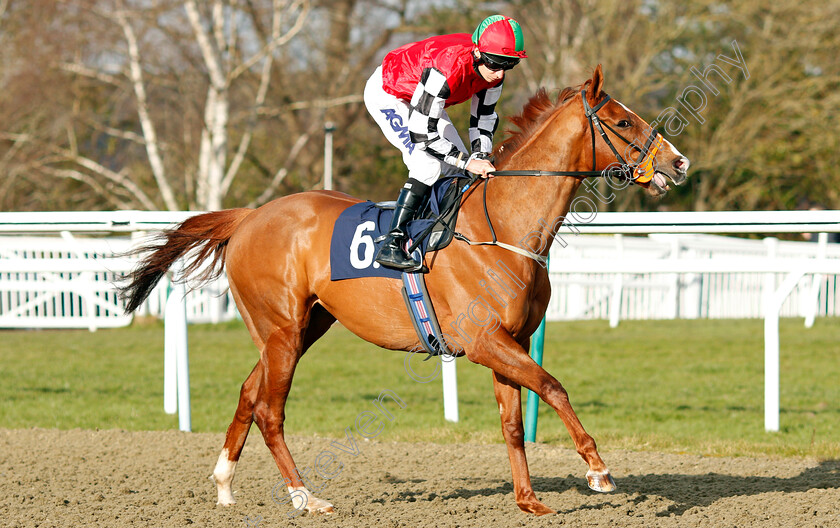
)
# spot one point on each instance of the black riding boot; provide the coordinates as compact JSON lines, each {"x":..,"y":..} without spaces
{"x":392,"y":254}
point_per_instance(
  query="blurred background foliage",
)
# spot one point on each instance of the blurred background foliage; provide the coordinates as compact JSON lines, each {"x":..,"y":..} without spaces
{"x":178,"y":104}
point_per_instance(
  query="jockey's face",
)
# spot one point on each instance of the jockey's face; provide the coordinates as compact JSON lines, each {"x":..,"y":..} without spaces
{"x":489,"y":75}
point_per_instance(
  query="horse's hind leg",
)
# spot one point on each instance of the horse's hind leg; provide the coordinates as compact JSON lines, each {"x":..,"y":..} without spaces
{"x":319,"y":322}
{"x":279,"y":359}
{"x":235,"y":437}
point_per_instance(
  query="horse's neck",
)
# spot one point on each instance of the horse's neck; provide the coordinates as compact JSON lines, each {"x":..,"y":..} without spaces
{"x":522,"y":207}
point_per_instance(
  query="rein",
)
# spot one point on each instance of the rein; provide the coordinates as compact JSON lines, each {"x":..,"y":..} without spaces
{"x":495,"y":242}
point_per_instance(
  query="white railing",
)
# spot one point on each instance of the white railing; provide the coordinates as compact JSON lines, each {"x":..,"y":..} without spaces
{"x":774,"y":294}
{"x":713,"y":292}
{"x":63,"y":282}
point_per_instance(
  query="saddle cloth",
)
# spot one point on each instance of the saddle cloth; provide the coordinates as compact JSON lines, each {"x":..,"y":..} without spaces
{"x":352,"y":247}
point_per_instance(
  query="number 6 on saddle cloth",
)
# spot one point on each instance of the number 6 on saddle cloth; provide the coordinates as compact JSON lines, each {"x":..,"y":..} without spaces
{"x":352,"y":249}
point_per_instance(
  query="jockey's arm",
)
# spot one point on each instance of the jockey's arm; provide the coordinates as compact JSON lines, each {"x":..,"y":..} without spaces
{"x":483,"y":119}
{"x":427,"y":106}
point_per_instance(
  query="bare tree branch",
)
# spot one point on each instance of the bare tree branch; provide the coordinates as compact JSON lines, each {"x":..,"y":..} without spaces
{"x":116,"y":132}
{"x":87,"y":180}
{"x":209,"y":51}
{"x":281,"y":174}
{"x":149,"y":133}
{"x":278,"y":40}
{"x":318,"y":104}
{"x":116,"y":177}
{"x":259,"y":101}
{"x":92,"y":73}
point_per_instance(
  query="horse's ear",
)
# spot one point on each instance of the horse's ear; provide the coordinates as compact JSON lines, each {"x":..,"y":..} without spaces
{"x":593,"y":93}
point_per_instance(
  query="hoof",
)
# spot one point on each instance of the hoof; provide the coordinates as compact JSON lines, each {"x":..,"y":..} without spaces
{"x":534,"y":506}
{"x":304,"y":501}
{"x":316,"y":505}
{"x":542,"y":509}
{"x":601,"y":482}
{"x":225,"y":496}
{"x":326,"y":510}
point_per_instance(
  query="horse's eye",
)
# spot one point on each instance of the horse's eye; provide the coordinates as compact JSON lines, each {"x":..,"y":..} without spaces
{"x":624,"y":124}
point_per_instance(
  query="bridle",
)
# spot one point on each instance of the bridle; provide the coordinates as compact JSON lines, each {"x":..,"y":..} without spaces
{"x":641,"y":173}
{"x":643,"y":169}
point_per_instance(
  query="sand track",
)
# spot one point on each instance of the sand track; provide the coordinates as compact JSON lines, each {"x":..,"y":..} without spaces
{"x":117,"y":478}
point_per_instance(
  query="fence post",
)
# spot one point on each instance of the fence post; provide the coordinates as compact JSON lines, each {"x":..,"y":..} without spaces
{"x":618,"y":282}
{"x":170,"y":364}
{"x":532,"y":407}
{"x":329,"y":128}
{"x":175,"y":343}
{"x":813,"y":296}
{"x":772,"y":308}
{"x":674,"y":302}
{"x":772,"y":244}
{"x":449,"y":377}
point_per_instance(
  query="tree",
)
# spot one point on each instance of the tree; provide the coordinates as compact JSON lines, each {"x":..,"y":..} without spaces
{"x":758,"y":146}
{"x":168,"y":104}
{"x":146,"y":68}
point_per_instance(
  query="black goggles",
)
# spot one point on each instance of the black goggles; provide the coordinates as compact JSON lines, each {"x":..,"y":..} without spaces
{"x":498,"y":62}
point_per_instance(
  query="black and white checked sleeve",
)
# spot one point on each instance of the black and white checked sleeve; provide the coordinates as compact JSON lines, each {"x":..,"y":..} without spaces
{"x":483,"y":119}
{"x":427,"y":106}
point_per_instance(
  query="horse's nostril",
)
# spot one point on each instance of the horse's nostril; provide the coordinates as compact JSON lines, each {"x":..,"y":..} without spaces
{"x":681,"y":164}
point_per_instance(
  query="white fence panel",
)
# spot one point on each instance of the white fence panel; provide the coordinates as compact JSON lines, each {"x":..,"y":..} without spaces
{"x":712,"y":295}
{"x":71,"y":298}
{"x":60,"y":283}
{"x":69,"y":282}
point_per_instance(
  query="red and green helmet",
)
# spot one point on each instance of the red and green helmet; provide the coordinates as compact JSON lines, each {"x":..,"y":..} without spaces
{"x":500,"y":35}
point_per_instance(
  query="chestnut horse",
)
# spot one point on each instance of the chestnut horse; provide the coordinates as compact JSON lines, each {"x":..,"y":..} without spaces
{"x":278,"y":266}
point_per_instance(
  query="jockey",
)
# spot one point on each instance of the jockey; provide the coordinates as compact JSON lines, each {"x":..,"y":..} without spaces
{"x":407,"y":96}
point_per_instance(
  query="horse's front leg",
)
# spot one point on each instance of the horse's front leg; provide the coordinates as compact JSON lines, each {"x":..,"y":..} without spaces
{"x":501,"y":353}
{"x":508,"y":395}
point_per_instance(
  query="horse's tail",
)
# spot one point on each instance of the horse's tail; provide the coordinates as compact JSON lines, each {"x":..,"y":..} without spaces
{"x":199,"y":236}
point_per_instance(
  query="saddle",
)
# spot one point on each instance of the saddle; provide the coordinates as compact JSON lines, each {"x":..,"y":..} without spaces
{"x":441,"y":208}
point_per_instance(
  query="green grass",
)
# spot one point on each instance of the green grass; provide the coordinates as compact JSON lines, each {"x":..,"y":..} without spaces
{"x":678,"y":386}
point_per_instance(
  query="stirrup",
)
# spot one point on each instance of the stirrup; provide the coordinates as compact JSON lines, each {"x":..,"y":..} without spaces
{"x":417,"y":268}
{"x":393,"y":249}
{"x":422,"y":268}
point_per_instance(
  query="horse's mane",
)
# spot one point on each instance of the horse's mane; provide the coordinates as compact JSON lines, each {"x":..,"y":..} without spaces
{"x":538,"y":108}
